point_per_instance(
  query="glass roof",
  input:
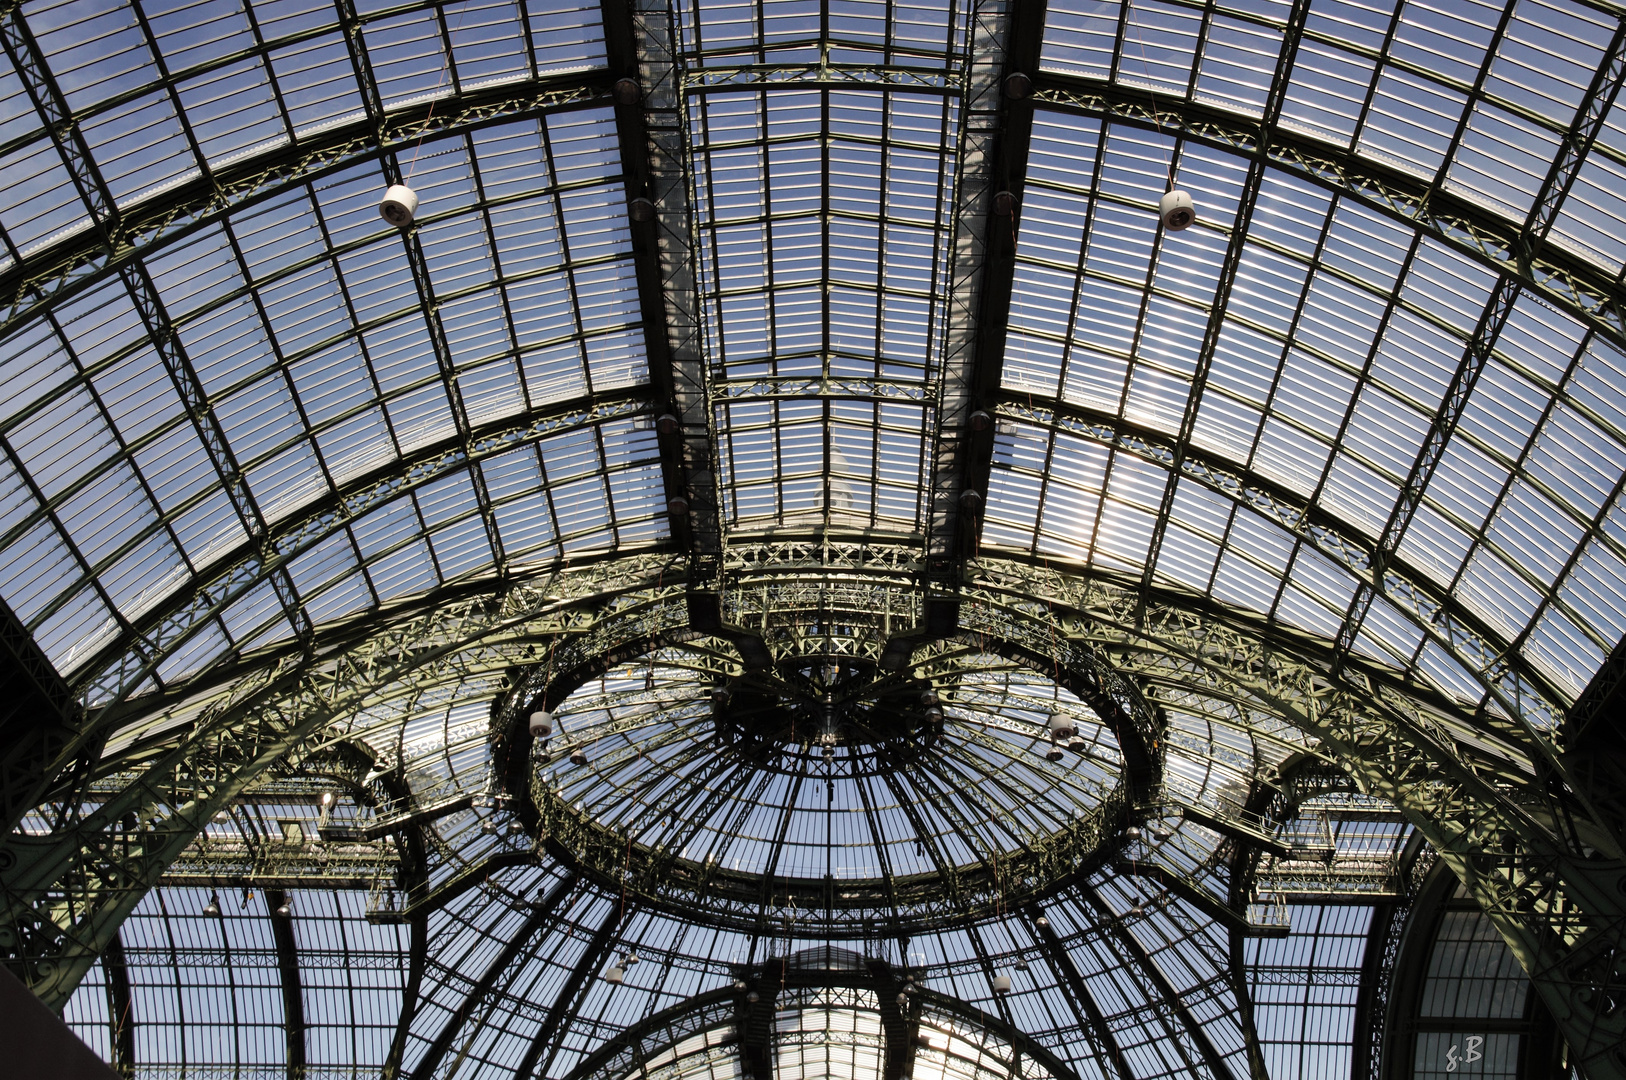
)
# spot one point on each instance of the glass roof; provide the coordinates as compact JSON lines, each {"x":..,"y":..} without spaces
{"x":1369,"y":403}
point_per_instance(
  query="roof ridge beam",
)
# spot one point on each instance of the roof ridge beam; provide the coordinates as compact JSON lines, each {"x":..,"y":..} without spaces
{"x":996,"y":124}
{"x":653,"y":123}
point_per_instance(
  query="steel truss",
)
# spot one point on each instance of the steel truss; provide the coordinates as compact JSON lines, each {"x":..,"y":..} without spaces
{"x":992,"y":155}
{"x":670,"y":1027}
{"x":667,"y":262}
{"x":1560,"y":912}
{"x":65,"y":893}
{"x":1559,"y":909}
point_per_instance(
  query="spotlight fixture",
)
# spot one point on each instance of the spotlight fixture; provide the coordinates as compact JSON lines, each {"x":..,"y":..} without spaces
{"x":1176,"y":210}
{"x":399,"y":205}
{"x":285,"y":910}
{"x":213,"y":906}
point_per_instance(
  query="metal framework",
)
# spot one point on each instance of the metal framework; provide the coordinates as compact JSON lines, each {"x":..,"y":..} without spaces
{"x":907,"y":544}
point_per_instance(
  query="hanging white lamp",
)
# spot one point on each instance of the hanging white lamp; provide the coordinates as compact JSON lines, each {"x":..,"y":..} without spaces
{"x":1176,"y":210}
{"x":399,"y":205}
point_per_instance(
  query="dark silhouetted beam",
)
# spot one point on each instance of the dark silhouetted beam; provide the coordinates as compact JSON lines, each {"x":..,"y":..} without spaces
{"x":502,"y":962}
{"x":293,"y":1001}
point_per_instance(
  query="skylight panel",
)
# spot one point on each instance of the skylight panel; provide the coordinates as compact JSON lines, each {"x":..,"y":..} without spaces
{"x":1081,"y":38}
{"x":1546,"y":58}
{"x":1593,"y":586}
{"x":1593,"y":201}
{"x":1411,"y":121}
{"x":38,"y":197}
{"x":1326,"y":92}
{"x":1576,"y":461}
{"x":1493,"y":591}
{"x":1359,"y":494}
{"x":1567,"y":655}
{"x":1503,"y":159}
{"x":138,"y":146}
{"x":1385,"y":433}
{"x":1289,"y":457}
{"x":317,"y":81}
{"x":1416,"y":360}
{"x":94,"y":52}
{"x":1239,"y":58}
{"x":408,"y":56}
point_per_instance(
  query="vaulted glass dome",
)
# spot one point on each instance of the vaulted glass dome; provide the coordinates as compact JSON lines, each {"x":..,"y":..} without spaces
{"x":771,"y":551}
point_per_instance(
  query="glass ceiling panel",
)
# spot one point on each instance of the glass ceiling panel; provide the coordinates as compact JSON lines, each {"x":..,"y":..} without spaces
{"x":823,"y":265}
{"x":1332,"y":355}
{"x":852,"y":208}
{"x":185,"y":90}
{"x":737,"y":32}
{"x":285,"y":414}
{"x":300,"y":322}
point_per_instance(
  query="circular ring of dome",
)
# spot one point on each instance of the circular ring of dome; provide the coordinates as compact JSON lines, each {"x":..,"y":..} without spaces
{"x":990,"y":771}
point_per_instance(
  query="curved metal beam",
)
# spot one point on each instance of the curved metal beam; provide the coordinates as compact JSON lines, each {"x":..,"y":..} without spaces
{"x":656,"y":141}
{"x":1515,"y":684}
{"x":120,"y":1019}
{"x":500,"y":964}
{"x":77,"y":261}
{"x":571,"y":991}
{"x":995,"y":130}
{"x":123,"y":665}
{"x":1171,"y":997}
{"x":1061,"y":962}
{"x":1576,"y":285}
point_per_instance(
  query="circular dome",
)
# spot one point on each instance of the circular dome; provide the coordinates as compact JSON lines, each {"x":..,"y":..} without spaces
{"x":828,"y":791}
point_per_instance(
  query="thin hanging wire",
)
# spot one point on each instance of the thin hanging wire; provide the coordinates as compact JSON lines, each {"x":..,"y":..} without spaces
{"x":440,"y":81}
{"x":1151,"y":88}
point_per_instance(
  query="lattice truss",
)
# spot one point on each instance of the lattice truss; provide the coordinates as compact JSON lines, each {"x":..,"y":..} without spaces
{"x":760,"y":344}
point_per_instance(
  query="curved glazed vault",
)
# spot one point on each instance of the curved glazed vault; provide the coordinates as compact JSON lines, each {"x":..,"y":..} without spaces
{"x":1057,"y":645}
